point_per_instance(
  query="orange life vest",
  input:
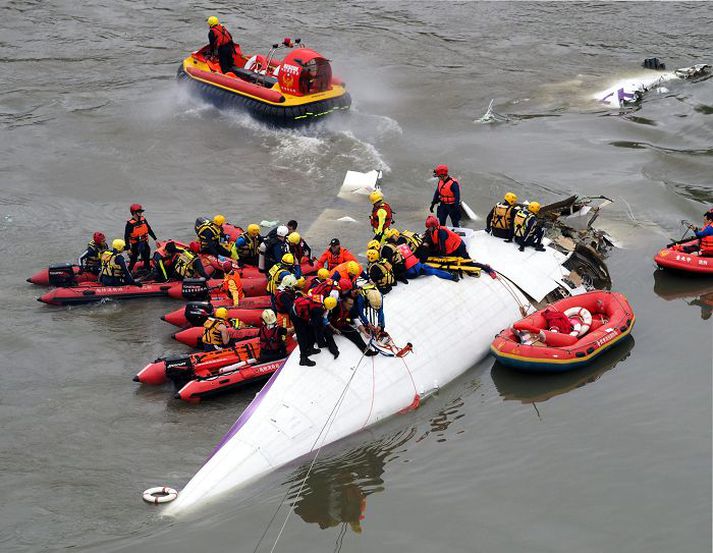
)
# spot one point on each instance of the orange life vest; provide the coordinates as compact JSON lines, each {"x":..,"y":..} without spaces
{"x":375,"y":215}
{"x":234,"y":277}
{"x":706,"y":247}
{"x":333,"y":260}
{"x":139,"y":230}
{"x":452,"y":241}
{"x":222,"y":36}
{"x":445,"y":191}
{"x":410,"y":258}
{"x":342,"y":270}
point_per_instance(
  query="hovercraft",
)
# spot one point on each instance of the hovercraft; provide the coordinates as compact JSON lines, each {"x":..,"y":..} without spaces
{"x":594,"y":321}
{"x":297,"y":90}
{"x":675,"y":259}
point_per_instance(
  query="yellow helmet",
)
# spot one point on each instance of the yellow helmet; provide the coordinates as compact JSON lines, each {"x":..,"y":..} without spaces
{"x":288,"y":259}
{"x":511,"y":198}
{"x":391,"y":232}
{"x":294,"y":238}
{"x":219,"y":220}
{"x":253,"y":229}
{"x":376,"y":196}
{"x":213,"y":21}
{"x":373,"y":245}
{"x":353,"y":268}
{"x":322,"y":274}
{"x":300,"y":282}
{"x":372,"y":255}
{"x":118,"y":244}
{"x":221,"y":313}
{"x":330,"y":303}
{"x":373,"y":296}
{"x":534,"y":207}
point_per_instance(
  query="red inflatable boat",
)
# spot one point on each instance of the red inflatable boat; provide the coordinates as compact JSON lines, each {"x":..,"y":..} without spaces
{"x":194,"y":313}
{"x":93,"y":292}
{"x":567,"y":334}
{"x":674,"y":259}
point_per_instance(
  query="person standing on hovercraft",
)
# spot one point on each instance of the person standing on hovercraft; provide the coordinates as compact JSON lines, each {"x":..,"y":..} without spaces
{"x":221,"y":44}
{"x":136,"y":234}
{"x":113,"y":270}
{"x":499,"y":221}
{"x":335,"y":255}
{"x":90,"y":260}
{"x":382,"y":216}
{"x":215,"y":331}
{"x":447,"y":196}
{"x":526,"y":230}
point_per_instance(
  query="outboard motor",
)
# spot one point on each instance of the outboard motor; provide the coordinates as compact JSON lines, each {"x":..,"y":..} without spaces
{"x":179,"y":370}
{"x":654,"y":63}
{"x":198,"y":311}
{"x":61,"y":274}
{"x":195,"y":289}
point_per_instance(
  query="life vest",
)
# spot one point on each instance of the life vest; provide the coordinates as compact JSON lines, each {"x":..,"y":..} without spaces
{"x":340,"y":317}
{"x":502,"y":217}
{"x":109,"y":266}
{"x":304,"y":305}
{"x":284,"y":299}
{"x":706,"y":246}
{"x":222,"y":36}
{"x":249,"y":249}
{"x":412,"y":239}
{"x":183,"y":266}
{"x":520,"y":222}
{"x":211,"y":332}
{"x":387,"y":275}
{"x":452,"y":241}
{"x":234,"y":277}
{"x":342,"y":270}
{"x":445,"y":191}
{"x":333,"y":260}
{"x":207,"y":233}
{"x":274,"y":276}
{"x":297,"y":251}
{"x":139,"y":230}
{"x":408,"y":256}
{"x":93,"y":260}
{"x":271,"y":339}
{"x":375,"y":215}
{"x":323,"y":288}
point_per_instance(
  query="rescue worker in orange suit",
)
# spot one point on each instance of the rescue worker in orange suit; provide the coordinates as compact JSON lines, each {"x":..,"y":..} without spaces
{"x":136,"y":234}
{"x":705,"y":237}
{"x":342,"y":321}
{"x":442,"y":241}
{"x":90,"y":260}
{"x":309,"y":317}
{"x":335,"y":255}
{"x":163,"y":264}
{"x":215,"y":331}
{"x":382,"y":216}
{"x":232,"y":283}
{"x":499,"y":221}
{"x":273,"y":338}
{"x":447,"y":196}
{"x":221,"y":44}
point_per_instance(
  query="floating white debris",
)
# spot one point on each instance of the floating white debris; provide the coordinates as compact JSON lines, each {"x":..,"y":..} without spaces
{"x":346,"y":219}
{"x":357,"y":184}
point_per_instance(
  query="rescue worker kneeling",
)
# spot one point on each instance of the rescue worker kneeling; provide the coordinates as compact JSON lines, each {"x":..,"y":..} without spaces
{"x":309,"y":317}
{"x":414,"y":268}
{"x":215,"y":331}
{"x":90,"y":260}
{"x":499,"y":221}
{"x":443,"y":241}
{"x":188,"y":263}
{"x":210,"y":235}
{"x":380,"y":272}
{"x":526,"y":229}
{"x":113,"y":270}
{"x":344,"y":321}
{"x":273,"y":338}
{"x":162,"y":263}
{"x":232,"y":283}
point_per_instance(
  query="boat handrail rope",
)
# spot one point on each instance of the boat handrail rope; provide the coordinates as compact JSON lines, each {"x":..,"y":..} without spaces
{"x":508,"y":286}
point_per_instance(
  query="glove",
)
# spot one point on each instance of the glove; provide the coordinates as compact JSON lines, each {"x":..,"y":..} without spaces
{"x":431,"y":208}
{"x":488,"y":230}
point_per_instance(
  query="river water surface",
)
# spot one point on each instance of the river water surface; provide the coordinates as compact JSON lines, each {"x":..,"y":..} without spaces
{"x":616,"y":457}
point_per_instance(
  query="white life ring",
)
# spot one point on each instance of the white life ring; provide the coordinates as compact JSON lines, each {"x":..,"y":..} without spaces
{"x":581,"y":320}
{"x":256,"y":64}
{"x":160,"y":495}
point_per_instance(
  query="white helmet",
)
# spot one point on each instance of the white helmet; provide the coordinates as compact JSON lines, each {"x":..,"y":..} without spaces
{"x":269,"y":317}
{"x":282,"y":231}
{"x":288,"y":281}
{"x":334,"y":294}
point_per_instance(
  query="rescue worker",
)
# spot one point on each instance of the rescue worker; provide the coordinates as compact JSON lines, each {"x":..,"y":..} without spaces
{"x":90,"y":260}
{"x":188,"y":263}
{"x":412,"y":239}
{"x":300,"y":250}
{"x":276,"y":246}
{"x":334,"y":255}
{"x":391,"y":255}
{"x":443,"y":241}
{"x":499,"y":221}
{"x":247,"y":245}
{"x":284,"y":298}
{"x":382,"y":216}
{"x":285,"y":267}
{"x":136,"y":234}
{"x":447,"y":196}
{"x":321,"y":276}
{"x":210,"y":235}
{"x":379,"y":272}
{"x":344,"y":321}
{"x":526,"y":230}
{"x":221,"y":44}
{"x":414,"y":268}
{"x":215,"y":331}
{"x":350,"y":270}
{"x":162,"y":264}
{"x":232,"y":283}
{"x":113,"y":271}
{"x":273,"y":338}
{"x":327,"y":286}
{"x":370,"y":308}
{"x":309,"y":318}
{"x":704,"y":235}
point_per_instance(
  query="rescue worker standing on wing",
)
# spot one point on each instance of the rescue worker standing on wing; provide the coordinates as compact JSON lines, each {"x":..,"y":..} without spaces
{"x":526,"y":230}
{"x":382,"y":216}
{"x":136,"y":234}
{"x":273,"y":338}
{"x":90,"y":260}
{"x":499,"y":221}
{"x":309,"y":317}
{"x":447,"y":196}
{"x":113,"y":270}
{"x":221,"y":44}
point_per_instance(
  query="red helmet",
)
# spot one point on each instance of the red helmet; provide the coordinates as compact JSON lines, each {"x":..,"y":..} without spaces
{"x":99,"y":238}
{"x":135,"y":207}
{"x":345,"y":284}
{"x":432,"y":222}
{"x":195,"y":247}
{"x":227,"y":267}
{"x":441,"y":171}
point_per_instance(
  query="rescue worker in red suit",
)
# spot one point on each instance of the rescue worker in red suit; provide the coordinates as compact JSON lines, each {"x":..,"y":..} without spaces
{"x":136,"y":234}
{"x":335,"y":255}
{"x":221,"y":44}
{"x":447,"y":196}
{"x":342,"y":321}
{"x":443,"y":241}
{"x":273,"y":338}
{"x":309,"y":317}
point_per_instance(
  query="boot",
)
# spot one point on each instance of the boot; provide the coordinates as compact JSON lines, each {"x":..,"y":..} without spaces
{"x":313,"y":351}
{"x":456,"y":278}
{"x":539,"y":248}
{"x":371,"y":353}
{"x":508,"y":240}
{"x":307,"y":362}
{"x":521,"y":248}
